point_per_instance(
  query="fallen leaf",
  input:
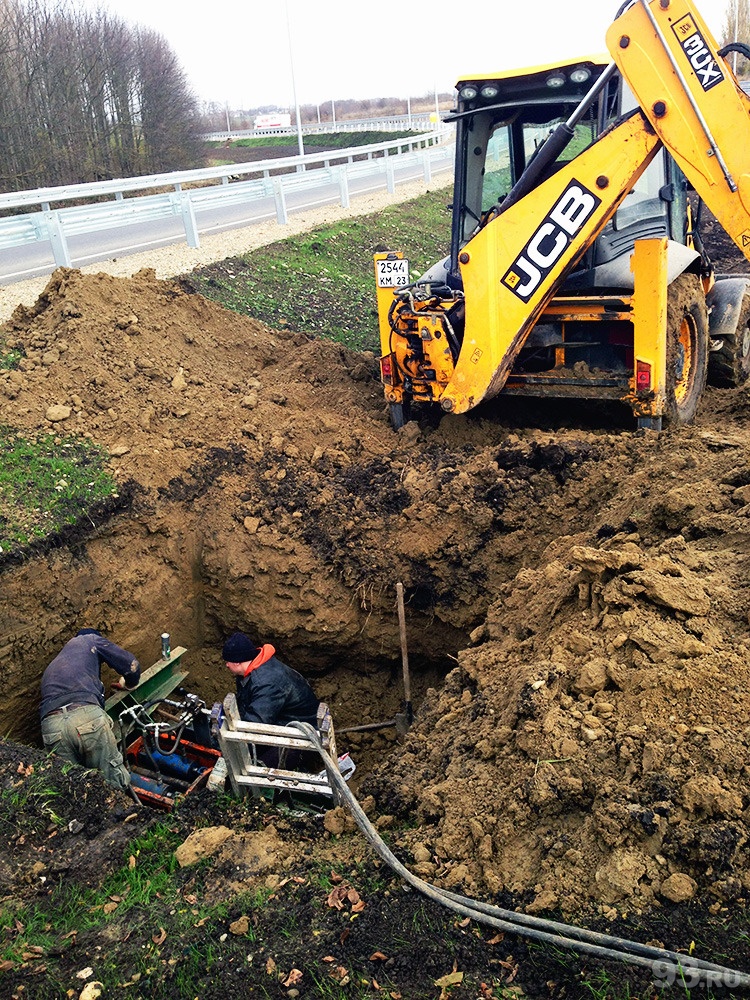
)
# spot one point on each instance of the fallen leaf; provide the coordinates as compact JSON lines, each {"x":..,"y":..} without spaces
{"x":465,"y":922}
{"x":336,"y":878}
{"x":294,"y":977}
{"x":109,"y":907}
{"x":131,"y":862}
{"x":353,"y":896}
{"x":240,"y":926}
{"x":358,"y":907}
{"x":6,"y":966}
{"x":191,"y":899}
{"x":161,"y":937}
{"x":452,"y":979}
{"x":344,"y":935}
{"x":85,"y":973}
{"x":25,"y":770}
{"x":378,"y":956}
{"x":91,"y":991}
{"x":329,"y":958}
{"x":496,"y":939}
{"x":201,"y":922}
{"x":337,"y":896}
{"x":512,"y":968}
{"x":270,"y":967}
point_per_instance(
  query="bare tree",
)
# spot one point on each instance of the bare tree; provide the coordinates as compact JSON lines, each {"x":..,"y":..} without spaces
{"x":168,"y":110}
{"x":85,"y":96}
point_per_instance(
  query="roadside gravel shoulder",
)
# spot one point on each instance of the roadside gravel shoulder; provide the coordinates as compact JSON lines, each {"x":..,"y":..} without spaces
{"x":180,"y":258}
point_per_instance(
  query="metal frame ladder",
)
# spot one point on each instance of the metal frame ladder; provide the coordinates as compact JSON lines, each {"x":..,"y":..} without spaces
{"x":239,"y":742}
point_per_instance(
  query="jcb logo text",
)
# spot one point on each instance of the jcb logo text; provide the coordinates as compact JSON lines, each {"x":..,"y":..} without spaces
{"x":550,"y":240}
{"x":698,"y":53}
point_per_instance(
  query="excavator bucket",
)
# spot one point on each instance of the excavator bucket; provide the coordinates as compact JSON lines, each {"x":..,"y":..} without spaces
{"x":690,"y":95}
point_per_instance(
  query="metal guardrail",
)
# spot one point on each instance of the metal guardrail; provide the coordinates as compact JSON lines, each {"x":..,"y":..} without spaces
{"x":192,"y":191}
{"x":388,"y":123}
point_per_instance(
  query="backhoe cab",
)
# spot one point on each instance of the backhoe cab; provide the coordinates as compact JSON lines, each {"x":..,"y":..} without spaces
{"x":575,"y":266}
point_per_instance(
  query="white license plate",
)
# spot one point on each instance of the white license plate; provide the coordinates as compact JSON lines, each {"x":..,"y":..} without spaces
{"x":392,"y":273}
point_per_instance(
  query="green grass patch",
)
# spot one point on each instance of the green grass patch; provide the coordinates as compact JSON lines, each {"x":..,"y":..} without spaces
{"x":144,"y":896}
{"x":331,"y":140}
{"x":47,"y":484}
{"x":9,"y":359}
{"x":33,"y":796}
{"x":322,"y":282}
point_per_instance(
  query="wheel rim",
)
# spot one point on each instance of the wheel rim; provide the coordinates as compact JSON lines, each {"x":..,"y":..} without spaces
{"x":684,"y":360}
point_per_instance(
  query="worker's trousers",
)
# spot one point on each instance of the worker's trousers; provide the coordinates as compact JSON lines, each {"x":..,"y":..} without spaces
{"x":84,"y":735}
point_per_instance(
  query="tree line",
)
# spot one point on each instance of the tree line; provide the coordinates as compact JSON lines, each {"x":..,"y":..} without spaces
{"x":85,"y":96}
{"x":217,"y":117}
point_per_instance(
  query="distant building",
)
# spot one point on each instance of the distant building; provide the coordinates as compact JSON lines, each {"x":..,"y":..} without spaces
{"x":276,"y":119}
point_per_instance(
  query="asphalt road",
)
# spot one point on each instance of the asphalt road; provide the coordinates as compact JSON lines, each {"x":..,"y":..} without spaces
{"x":37,"y":259}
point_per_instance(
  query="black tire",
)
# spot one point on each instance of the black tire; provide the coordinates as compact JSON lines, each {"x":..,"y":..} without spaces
{"x":687,"y":349}
{"x":400,"y":413}
{"x":730,"y":366}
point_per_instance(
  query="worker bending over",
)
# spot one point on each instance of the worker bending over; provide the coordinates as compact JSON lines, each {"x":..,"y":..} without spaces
{"x":74,"y":723}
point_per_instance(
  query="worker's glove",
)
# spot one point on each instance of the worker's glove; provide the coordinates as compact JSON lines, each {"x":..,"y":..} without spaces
{"x":119,"y":685}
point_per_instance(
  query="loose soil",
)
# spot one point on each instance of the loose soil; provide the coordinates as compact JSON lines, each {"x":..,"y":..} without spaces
{"x":578,"y":625}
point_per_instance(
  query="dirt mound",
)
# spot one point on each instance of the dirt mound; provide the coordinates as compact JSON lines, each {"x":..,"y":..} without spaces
{"x":590,"y":747}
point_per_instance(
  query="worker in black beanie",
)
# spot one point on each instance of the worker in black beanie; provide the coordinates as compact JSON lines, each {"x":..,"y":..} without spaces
{"x":267,"y":690}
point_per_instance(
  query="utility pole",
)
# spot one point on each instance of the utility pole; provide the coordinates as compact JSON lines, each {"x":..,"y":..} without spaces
{"x":300,"y":143}
{"x":736,"y":32}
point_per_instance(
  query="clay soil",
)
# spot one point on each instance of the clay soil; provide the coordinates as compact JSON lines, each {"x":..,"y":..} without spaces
{"x":577,"y":612}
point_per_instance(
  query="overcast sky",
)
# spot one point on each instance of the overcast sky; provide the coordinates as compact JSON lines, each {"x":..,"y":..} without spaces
{"x":239,"y":52}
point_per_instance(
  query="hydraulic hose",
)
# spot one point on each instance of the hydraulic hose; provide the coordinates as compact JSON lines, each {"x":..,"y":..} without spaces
{"x":661,"y":961}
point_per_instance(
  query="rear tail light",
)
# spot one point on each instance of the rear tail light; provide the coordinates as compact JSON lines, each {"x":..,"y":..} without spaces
{"x":642,"y":376}
{"x":386,"y":369}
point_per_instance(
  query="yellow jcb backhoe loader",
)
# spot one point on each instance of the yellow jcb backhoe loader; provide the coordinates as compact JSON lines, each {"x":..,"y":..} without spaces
{"x":576,"y":267}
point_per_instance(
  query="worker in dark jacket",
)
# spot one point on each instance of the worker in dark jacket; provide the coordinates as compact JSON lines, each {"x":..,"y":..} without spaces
{"x":74,"y":723}
{"x":268,"y":690}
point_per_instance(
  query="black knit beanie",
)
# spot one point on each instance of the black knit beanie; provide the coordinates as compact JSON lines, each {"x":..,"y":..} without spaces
{"x":238,"y":649}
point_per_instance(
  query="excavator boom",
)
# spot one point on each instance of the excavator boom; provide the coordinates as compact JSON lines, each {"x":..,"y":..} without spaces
{"x":667,"y":55}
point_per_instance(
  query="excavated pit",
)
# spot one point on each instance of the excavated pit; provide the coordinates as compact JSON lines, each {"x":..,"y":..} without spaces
{"x":577,"y":600}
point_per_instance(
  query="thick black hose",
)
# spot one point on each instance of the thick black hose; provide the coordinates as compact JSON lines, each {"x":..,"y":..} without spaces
{"x":579,"y":939}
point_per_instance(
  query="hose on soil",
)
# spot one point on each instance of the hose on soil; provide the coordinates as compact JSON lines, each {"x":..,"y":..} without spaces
{"x":667,"y":966}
